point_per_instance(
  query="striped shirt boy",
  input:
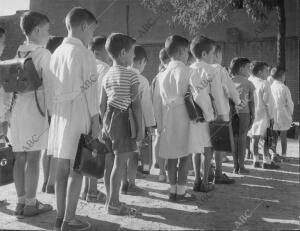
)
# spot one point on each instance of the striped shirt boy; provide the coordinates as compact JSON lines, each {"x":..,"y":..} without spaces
{"x":117,"y":83}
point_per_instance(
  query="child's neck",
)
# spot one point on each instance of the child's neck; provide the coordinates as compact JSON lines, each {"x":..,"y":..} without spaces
{"x":177,"y":58}
{"x":33,"y":40}
{"x":118,"y":62}
{"x":137,"y":67}
{"x":202,"y":60}
{"x":79,"y":36}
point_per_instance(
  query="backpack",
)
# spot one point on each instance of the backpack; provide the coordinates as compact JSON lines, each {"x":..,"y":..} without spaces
{"x":19,"y":75}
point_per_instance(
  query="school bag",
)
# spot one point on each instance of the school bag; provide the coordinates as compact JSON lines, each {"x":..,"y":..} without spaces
{"x":6,"y":163}
{"x":19,"y":75}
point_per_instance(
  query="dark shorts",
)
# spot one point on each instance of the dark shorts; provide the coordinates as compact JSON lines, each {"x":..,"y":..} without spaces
{"x":116,"y":131}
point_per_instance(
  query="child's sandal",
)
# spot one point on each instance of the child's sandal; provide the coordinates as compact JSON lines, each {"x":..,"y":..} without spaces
{"x":120,"y":210}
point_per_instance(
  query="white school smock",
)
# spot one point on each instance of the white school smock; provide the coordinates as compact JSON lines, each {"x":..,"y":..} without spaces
{"x":102,"y":69}
{"x":263,"y":106}
{"x":199,"y":135}
{"x":76,"y":96}
{"x":29,"y":129}
{"x":146,"y":101}
{"x":283,"y":106}
{"x":170,"y":110}
{"x":220,"y":82}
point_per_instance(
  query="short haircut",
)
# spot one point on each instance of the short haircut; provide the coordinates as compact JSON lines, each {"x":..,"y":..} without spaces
{"x":53,"y":43}
{"x":258,"y":66}
{"x":201,"y":44}
{"x":78,"y":15}
{"x":117,"y":42}
{"x":175,"y":43}
{"x":31,"y":19}
{"x":163,"y":56}
{"x":97,"y":43}
{"x":277,"y":72}
{"x":237,"y":63}
{"x":2,"y":32}
{"x":140,"y":54}
{"x":218,"y":49}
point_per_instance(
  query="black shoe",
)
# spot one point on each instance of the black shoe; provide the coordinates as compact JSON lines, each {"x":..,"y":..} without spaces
{"x":124,"y":188}
{"x":197,"y":184}
{"x":271,"y":166}
{"x":184,"y":198}
{"x":172,"y":197}
{"x":224,"y":179}
{"x":244,"y":171}
{"x":256,"y":164}
{"x":235,"y":171}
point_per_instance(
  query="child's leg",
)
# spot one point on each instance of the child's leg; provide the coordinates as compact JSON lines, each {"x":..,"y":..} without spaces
{"x":115,"y":178}
{"x":19,"y":175}
{"x":242,"y":150}
{"x":156,"y":147}
{"x":255,"y":141}
{"x":52,"y":173}
{"x":172,"y":173}
{"x":92,"y":186}
{"x":248,"y":142}
{"x":206,"y":164}
{"x":46,"y":169}
{"x":183,"y":174}
{"x":283,"y":135}
{"x":73,"y":192}
{"x":196,"y":158}
{"x":32,"y":174}
{"x":109,"y":163}
{"x":86,"y":188}
{"x":132,"y":167}
{"x":61,"y":183}
{"x":235,"y":153}
{"x":124,"y":180}
{"x":218,"y":160}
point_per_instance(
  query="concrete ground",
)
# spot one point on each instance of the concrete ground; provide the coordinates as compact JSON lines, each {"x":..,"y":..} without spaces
{"x":262,"y":200}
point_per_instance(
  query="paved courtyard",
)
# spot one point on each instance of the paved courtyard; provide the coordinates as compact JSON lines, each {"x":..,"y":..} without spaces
{"x":263,"y":200}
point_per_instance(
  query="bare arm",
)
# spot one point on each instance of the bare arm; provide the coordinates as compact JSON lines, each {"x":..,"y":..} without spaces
{"x":137,"y":109}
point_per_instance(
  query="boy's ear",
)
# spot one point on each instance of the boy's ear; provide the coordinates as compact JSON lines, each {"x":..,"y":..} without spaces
{"x":203,"y":54}
{"x":84,"y":26}
{"x":122,"y":52}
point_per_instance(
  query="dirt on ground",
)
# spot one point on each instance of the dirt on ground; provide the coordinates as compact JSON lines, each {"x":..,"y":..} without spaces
{"x":262,"y":200}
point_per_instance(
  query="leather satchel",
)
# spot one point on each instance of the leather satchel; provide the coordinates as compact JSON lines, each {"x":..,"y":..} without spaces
{"x":6,"y":164}
{"x":194,"y":111}
{"x":221,"y":136}
{"x":19,"y":75}
{"x":90,"y":157}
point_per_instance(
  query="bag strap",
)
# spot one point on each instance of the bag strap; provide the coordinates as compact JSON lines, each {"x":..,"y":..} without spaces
{"x":35,"y":92}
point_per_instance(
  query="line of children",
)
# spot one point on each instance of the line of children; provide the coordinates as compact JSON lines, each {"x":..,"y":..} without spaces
{"x":121,"y":97}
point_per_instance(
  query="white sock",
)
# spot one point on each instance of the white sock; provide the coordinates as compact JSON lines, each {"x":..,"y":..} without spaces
{"x":146,"y":167}
{"x":267,"y":160}
{"x":180,"y":189}
{"x":30,"y":201}
{"x":172,"y":189}
{"x":21,"y":200}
